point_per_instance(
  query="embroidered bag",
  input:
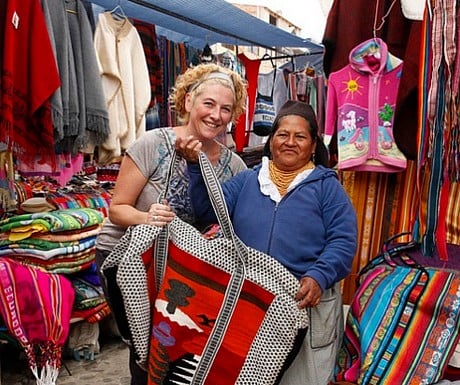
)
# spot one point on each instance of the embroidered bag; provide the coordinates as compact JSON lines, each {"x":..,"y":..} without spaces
{"x":224,"y":313}
{"x":264,"y":113}
{"x":403,"y":323}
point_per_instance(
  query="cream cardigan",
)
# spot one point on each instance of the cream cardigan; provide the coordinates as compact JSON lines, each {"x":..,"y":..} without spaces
{"x":125,"y":81}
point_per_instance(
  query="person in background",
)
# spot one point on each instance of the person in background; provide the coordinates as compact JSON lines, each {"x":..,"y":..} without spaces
{"x":206,"y":98}
{"x":293,"y":208}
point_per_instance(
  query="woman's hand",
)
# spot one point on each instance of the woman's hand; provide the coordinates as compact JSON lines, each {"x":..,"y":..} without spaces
{"x":160,"y":214}
{"x":309,"y":293}
{"x":189,"y":148}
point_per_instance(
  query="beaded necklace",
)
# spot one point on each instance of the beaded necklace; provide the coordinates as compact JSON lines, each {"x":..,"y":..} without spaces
{"x":282,"y":179}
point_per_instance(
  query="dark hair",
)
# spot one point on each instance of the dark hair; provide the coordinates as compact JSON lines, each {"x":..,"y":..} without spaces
{"x":294,"y":107}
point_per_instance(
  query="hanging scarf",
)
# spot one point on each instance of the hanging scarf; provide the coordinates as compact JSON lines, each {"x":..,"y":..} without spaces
{"x":36,"y":307}
{"x":84,"y":111}
{"x":58,"y":30}
{"x":28,"y":78}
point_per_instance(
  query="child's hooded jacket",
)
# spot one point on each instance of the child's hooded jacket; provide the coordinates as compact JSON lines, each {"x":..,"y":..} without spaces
{"x":361,"y":100}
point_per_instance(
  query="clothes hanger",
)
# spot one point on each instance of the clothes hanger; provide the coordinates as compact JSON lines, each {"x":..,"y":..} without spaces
{"x":383,"y":19}
{"x":118,"y":12}
{"x":268,"y":57}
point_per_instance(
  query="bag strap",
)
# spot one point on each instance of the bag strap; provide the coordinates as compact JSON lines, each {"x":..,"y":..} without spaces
{"x":161,"y":243}
{"x":273,"y":85}
{"x":217,"y":199}
{"x":393,"y":254}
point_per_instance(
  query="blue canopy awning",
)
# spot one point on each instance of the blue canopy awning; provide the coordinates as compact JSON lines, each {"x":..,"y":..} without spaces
{"x":200,"y":22}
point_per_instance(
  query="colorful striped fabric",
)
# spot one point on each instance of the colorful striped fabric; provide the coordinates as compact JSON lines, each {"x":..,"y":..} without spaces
{"x":99,"y":200}
{"x":36,"y":308}
{"x":402,"y":326}
{"x":63,"y":264}
{"x":438,"y":170}
{"x":385,"y":205}
{"x":24,"y":225}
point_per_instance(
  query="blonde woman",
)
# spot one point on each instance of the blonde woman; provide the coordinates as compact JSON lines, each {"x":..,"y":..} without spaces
{"x":206,"y":98}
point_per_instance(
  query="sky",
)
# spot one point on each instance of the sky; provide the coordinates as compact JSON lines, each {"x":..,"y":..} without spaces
{"x":306,"y":14}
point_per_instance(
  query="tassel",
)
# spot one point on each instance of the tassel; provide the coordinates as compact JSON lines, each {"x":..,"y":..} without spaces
{"x":48,"y":375}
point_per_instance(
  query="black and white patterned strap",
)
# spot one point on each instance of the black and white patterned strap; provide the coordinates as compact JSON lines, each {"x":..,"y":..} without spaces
{"x":217,"y":199}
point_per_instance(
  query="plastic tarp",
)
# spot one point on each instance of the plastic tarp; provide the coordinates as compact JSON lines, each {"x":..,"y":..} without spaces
{"x":200,"y":22}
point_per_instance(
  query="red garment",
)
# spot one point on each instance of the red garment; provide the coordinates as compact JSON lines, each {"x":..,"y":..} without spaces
{"x":148,"y":35}
{"x":29,"y":77}
{"x":252,"y":73}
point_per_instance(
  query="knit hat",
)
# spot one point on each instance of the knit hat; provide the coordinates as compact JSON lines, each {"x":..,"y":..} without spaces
{"x":294,"y":107}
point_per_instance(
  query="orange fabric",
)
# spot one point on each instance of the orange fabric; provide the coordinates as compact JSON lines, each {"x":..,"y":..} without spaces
{"x":384,"y":205}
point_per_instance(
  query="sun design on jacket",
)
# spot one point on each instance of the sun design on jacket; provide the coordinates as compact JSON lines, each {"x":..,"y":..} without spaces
{"x":352,"y":86}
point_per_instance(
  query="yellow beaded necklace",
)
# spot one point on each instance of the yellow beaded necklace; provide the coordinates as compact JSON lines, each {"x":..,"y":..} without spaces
{"x":282,"y":179}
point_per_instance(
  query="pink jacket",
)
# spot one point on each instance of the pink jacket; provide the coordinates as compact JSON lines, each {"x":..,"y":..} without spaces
{"x":361,"y":101}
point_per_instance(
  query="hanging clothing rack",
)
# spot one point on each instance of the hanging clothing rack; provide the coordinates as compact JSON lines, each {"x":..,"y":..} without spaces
{"x":282,"y":56}
{"x":268,"y":57}
{"x":220,"y":32}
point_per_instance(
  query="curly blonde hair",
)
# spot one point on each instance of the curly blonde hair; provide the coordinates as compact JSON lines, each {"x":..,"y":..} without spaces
{"x":192,"y":80}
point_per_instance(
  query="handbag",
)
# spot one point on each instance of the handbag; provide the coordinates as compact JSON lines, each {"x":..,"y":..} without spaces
{"x":264,"y":112}
{"x":222,"y":313}
{"x":403,"y":323}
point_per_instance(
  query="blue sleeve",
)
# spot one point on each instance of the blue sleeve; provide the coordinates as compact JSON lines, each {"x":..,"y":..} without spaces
{"x":199,"y":195}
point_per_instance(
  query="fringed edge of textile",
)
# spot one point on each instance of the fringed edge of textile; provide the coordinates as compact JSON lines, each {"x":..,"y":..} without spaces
{"x":98,"y":124}
{"x":44,"y":362}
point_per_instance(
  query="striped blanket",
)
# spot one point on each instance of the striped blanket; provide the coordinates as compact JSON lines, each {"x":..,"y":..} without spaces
{"x":402,"y":327}
{"x":24,"y":225}
{"x":36,"y":308}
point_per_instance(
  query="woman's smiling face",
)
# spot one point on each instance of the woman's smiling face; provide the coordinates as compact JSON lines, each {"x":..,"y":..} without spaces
{"x":292,"y":145}
{"x":210,"y":110}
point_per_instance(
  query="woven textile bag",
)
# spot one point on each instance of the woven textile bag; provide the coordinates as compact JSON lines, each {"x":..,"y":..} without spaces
{"x":223,"y":313}
{"x":403,"y":323}
{"x":264,"y":115}
{"x":264,"y":112}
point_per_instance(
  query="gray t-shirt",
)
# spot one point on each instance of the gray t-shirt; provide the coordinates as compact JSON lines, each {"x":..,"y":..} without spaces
{"x":152,"y":154}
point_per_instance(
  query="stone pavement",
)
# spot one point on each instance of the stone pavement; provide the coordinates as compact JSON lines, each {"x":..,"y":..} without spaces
{"x":110,"y":367}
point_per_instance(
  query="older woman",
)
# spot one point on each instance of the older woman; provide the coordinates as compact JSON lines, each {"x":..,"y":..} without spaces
{"x":206,"y":98}
{"x":293,"y":208}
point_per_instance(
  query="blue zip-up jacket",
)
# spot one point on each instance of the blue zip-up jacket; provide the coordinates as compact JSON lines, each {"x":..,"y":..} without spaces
{"x":312,"y":231}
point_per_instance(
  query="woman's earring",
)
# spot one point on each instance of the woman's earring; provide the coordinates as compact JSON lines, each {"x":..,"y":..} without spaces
{"x":313,"y":157}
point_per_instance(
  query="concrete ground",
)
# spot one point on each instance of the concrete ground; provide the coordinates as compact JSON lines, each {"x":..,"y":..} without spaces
{"x":110,"y":367}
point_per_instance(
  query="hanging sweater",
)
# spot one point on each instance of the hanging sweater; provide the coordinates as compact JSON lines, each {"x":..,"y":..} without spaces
{"x":126,"y":83}
{"x":361,"y":100}
{"x":28,"y":78}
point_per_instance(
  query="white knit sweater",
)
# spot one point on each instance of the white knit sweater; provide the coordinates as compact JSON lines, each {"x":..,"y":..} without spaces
{"x":126,"y":83}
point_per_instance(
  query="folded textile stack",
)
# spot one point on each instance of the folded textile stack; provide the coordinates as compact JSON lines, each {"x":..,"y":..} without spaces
{"x":60,"y":241}
{"x":90,"y":303}
{"x":83,"y":197}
